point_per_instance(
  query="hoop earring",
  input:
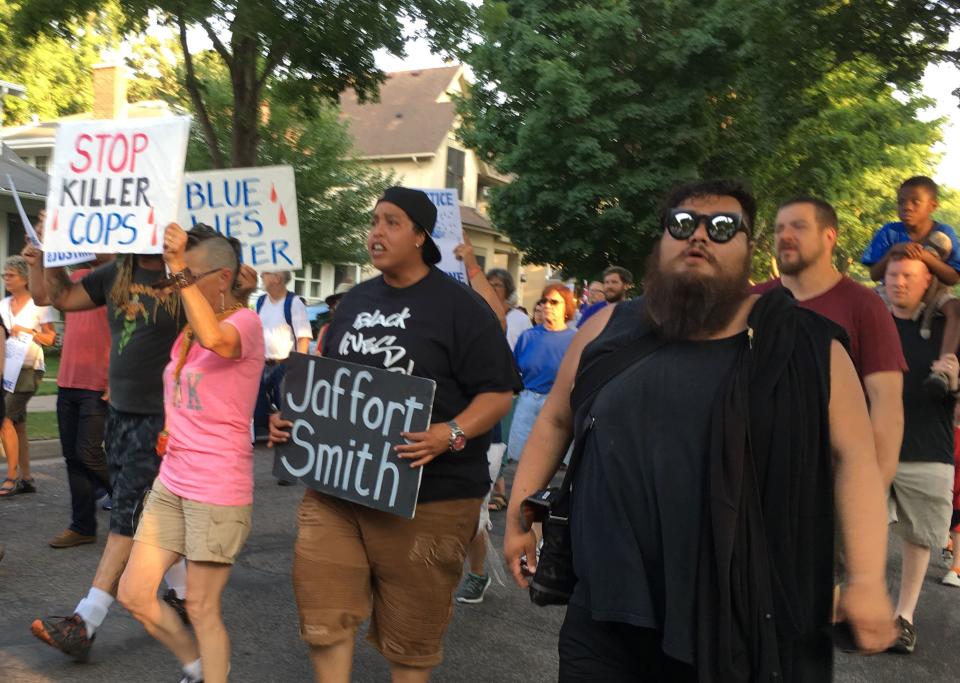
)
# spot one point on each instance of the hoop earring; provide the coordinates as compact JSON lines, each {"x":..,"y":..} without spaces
{"x":223,"y":302}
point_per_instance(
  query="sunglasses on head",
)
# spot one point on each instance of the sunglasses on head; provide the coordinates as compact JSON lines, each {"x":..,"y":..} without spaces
{"x":721,"y":227}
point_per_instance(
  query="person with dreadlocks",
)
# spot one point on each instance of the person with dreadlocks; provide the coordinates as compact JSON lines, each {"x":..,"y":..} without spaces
{"x":201,"y":503}
{"x":144,"y":323}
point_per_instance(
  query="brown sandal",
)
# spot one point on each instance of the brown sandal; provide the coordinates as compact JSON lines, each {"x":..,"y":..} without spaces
{"x":497,"y":503}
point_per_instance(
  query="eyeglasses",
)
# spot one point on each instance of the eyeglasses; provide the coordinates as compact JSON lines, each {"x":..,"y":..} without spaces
{"x":721,"y":227}
{"x":552,"y":302}
{"x":169,"y":281}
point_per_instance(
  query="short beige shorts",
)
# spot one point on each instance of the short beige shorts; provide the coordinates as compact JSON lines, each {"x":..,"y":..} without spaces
{"x":201,"y":532}
{"x":921,"y":502}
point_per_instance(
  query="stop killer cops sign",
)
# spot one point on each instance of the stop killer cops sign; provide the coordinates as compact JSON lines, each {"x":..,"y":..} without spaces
{"x":258,"y":206}
{"x":115,"y":184}
{"x":347,"y":418}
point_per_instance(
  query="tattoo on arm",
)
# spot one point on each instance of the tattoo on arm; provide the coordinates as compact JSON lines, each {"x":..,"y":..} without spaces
{"x":57,"y":283}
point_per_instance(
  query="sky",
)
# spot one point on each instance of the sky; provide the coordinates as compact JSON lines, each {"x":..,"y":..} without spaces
{"x":939,"y":82}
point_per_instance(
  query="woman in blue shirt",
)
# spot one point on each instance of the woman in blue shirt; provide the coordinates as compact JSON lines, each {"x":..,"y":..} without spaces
{"x":538,"y":354}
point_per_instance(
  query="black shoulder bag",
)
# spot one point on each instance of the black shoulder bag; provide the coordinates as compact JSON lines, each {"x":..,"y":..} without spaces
{"x":554,"y":580}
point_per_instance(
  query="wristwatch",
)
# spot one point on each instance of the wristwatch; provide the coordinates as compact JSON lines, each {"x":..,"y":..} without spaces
{"x":458,"y":440}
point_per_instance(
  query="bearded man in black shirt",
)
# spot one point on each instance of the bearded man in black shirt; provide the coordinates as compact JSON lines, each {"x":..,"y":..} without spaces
{"x":702,"y":507}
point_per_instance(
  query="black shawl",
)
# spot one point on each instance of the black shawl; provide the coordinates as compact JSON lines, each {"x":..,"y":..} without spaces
{"x":765,"y":569}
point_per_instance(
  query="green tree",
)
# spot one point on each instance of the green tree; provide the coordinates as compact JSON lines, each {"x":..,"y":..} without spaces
{"x":598,"y":107}
{"x":309,"y":51}
{"x":334,"y":190}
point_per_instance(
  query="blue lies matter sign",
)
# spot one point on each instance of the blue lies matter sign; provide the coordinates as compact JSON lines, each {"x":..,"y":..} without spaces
{"x":257,"y":205}
{"x":347,"y":419}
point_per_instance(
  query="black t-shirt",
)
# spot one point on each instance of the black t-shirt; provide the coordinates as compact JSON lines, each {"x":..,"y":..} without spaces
{"x":927,"y":422}
{"x":441,"y":330}
{"x":640,"y":488}
{"x":141,"y":336}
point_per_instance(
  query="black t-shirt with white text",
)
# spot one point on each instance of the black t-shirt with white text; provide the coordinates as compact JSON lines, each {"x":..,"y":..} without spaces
{"x":440,"y":330}
{"x":927,"y":421}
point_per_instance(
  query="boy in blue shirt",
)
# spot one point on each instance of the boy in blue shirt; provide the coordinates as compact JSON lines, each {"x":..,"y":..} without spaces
{"x":918,"y":236}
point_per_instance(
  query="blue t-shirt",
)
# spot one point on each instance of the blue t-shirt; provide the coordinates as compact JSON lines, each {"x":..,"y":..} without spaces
{"x":538,"y":353}
{"x":895,"y":233}
{"x":590,"y":310}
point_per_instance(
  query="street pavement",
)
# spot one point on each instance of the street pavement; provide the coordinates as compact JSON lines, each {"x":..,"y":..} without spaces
{"x":503,"y":639}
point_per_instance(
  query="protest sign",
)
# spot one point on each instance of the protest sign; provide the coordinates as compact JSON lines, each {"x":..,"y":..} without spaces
{"x":115,"y":184}
{"x":15,"y":351}
{"x":448,"y":233}
{"x":50,"y":258}
{"x":258,"y":206}
{"x":347,"y":418}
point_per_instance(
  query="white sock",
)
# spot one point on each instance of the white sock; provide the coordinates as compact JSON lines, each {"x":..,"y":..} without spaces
{"x":176,"y":578}
{"x":93,"y":609}
{"x":193,"y":670}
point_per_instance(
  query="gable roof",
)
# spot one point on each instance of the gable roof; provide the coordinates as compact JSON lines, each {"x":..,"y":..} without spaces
{"x":30,"y":182}
{"x":413,"y":116}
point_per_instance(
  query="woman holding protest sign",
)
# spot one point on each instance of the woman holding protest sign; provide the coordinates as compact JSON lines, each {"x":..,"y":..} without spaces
{"x":31,"y":327}
{"x":201,"y":502}
{"x":351,"y":561}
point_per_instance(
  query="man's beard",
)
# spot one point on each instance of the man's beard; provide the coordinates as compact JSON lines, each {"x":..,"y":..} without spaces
{"x":690,"y":305}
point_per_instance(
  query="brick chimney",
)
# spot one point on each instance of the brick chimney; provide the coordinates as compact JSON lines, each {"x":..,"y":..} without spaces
{"x":109,"y":91}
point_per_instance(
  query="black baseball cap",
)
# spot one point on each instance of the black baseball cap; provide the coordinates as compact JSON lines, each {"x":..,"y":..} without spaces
{"x":417,"y":205}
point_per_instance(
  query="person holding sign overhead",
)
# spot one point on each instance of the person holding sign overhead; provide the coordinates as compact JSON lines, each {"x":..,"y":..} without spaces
{"x":31,"y":325}
{"x":352,"y":561}
{"x":201,"y":502}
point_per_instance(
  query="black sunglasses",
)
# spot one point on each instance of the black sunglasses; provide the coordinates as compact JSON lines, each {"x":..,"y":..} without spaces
{"x":721,"y":227}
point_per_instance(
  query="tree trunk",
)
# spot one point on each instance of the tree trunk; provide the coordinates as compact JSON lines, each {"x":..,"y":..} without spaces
{"x":245,"y":136}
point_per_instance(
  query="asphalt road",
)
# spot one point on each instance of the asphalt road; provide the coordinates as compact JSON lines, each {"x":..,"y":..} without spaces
{"x":503,"y":639}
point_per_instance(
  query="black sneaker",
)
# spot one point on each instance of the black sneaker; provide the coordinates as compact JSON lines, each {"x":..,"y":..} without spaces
{"x":473,"y":589}
{"x":67,"y":634}
{"x":907,"y":640}
{"x":178,"y":605}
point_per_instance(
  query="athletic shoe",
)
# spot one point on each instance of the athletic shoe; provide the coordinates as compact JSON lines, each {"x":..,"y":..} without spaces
{"x":67,"y":634}
{"x":68,"y":538}
{"x":105,"y":502}
{"x":179,"y":606}
{"x":907,"y":640}
{"x":473,"y":587}
{"x":952,"y":578}
{"x":187,"y":678}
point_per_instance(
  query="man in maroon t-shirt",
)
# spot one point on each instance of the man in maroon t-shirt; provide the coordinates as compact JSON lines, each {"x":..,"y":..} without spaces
{"x":806,"y":234}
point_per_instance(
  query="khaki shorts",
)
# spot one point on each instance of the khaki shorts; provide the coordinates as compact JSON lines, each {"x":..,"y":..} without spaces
{"x":201,"y":532}
{"x":921,"y":502}
{"x":15,"y":402}
{"x":351,"y":562}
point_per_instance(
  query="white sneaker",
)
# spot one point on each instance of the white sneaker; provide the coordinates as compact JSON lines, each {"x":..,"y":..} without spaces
{"x":951,"y":579}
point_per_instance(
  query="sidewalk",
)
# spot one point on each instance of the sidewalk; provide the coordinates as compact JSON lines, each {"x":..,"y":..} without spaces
{"x":43,"y":404}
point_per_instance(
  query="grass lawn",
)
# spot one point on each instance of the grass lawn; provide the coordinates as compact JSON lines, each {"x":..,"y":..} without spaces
{"x":48,"y":387}
{"x":42,"y":425}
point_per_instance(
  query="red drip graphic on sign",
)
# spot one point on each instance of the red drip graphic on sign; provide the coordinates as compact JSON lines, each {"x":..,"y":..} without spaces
{"x":273,"y":193}
{"x":56,"y":220}
{"x":150,"y":221}
{"x":283,"y":216}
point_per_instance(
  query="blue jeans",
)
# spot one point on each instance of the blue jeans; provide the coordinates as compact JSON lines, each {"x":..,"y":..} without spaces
{"x":525,"y":412}
{"x":81,"y":416}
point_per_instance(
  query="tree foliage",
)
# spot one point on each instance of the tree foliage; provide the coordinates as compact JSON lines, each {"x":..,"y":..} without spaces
{"x":56,"y":69}
{"x":598,"y":107}
{"x":308,"y":50}
{"x":334,"y":191}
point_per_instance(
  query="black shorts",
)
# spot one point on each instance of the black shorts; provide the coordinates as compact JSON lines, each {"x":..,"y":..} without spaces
{"x":610,"y":651}
{"x":131,"y":445}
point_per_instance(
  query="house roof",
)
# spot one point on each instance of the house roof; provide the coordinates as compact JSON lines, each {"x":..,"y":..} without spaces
{"x":413,"y":116}
{"x":30,"y":182}
{"x":45,"y":131}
